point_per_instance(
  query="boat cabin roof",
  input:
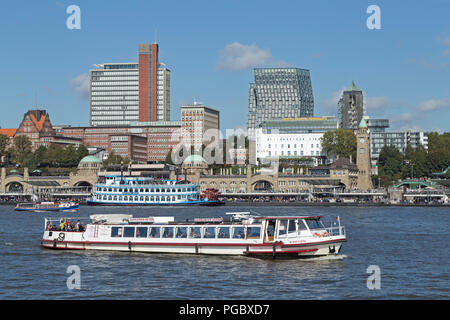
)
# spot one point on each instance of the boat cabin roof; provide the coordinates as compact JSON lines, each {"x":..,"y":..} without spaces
{"x":288,"y":217}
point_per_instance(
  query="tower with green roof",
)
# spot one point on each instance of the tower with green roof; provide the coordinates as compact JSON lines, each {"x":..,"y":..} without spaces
{"x":351,"y":107}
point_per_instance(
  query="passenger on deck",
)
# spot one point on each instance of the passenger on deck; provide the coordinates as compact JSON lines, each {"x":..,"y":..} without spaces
{"x":61,"y":224}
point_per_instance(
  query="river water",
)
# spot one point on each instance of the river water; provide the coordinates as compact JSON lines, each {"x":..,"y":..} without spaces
{"x":405,"y":249}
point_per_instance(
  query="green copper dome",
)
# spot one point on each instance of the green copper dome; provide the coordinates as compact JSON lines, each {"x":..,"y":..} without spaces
{"x":194,"y":159}
{"x":363,"y":123}
{"x":90,"y":159}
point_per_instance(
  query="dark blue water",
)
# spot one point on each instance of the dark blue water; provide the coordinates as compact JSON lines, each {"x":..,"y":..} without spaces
{"x":409,"y":245}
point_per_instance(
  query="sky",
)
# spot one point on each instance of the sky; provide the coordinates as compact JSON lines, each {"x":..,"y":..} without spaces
{"x":211,"y":48}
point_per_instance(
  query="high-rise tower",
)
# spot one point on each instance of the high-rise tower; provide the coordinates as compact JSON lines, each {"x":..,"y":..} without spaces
{"x":279,"y":93}
{"x":351,"y":108}
{"x":125,"y":93}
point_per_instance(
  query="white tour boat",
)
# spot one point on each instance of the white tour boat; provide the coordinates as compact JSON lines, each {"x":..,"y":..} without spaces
{"x":141,"y":191}
{"x":237,"y":234}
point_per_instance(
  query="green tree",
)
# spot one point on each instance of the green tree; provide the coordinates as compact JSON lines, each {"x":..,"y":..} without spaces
{"x":4,"y":141}
{"x":39,"y":156}
{"x":390,"y":163}
{"x":81,"y":152}
{"x":21,"y":148}
{"x":438,"y":157}
{"x":340,"y":142}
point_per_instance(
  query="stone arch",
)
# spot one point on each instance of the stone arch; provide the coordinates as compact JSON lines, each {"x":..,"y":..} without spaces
{"x":83,"y":184}
{"x":14,"y":186}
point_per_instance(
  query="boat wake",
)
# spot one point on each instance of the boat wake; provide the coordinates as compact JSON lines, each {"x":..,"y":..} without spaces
{"x":327,"y":258}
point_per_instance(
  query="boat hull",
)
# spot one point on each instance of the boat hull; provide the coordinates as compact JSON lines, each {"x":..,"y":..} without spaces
{"x":54,"y":209}
{"x":72,"y":241}
{"x":181,"y":203}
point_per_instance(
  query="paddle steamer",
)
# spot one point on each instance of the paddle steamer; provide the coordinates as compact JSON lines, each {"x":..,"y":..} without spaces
{"x":140,"y":191}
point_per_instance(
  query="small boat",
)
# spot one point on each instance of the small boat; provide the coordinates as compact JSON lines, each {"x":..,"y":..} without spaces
{"x":240,"y":233}
{"x":47,"y":206}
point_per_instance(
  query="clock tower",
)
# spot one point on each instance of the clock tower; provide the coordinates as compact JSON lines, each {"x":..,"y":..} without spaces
{"x":363,"y":156}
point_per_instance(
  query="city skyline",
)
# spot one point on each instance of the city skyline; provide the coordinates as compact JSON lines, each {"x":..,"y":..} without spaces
{"x":212,"y":48}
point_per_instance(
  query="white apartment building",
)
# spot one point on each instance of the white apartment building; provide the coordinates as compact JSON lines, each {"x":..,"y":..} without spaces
{"x":282,"y":145}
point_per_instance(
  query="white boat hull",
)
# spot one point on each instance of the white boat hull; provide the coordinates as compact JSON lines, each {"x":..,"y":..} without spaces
{"x":77,"y":241}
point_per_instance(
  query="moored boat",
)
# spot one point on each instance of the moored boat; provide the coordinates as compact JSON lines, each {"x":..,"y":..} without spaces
{"x":236,"y":234}
{"x":142,"y":191}
{"x":47,"y":206}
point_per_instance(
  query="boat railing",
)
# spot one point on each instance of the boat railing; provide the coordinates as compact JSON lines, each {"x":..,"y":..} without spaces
{"x":336,"y":231}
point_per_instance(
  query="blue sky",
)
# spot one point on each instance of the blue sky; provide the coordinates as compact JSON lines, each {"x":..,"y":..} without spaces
{"x":212,"y":46}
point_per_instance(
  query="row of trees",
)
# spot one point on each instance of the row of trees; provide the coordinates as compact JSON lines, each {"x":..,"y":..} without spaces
{"x":20,"y":154}
{"x":393,"y":164}
{"x":416,"y":162}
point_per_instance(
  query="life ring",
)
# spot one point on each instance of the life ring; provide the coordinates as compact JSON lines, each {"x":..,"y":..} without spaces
{"x":61,"y":236}
{"x":317,"y":235}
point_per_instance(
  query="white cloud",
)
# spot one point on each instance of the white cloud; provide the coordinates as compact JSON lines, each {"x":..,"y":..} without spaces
{"x":330,"y":105}
{"x":433,"y":105}
{"x":80,"y":85}
{"x":237,"y":56}
{"x":445,"y":41}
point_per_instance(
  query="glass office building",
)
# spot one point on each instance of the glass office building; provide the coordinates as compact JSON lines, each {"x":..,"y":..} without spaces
{"x":279,"y":93}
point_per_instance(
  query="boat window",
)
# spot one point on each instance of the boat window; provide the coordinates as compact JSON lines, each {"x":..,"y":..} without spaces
{"x":167,"y":232}
{"x":314,"y":224}
{"x":194,"y":232}
{"x":146,"y":190}
{"x":238,"y":233}
{"x":120,"y":198}
{"x":253,"y":232}
{"x":181,"y":232}
{"x":224,"y":233}
{"x":282,"y":228}
{"x":141,"y":232}
{"x":209,"y":232}
{"x":154,"y":232}
{"x":116,"y":232}
{"x":146,"y":198}
{"x":142,"y":198}
{"x":115,"y":198}
{"x":136,"y":198}
{"x":125,"y":198}
{"x":110,"y":198}
{"x":128,"y":232}
{"x":301,"y":225}
{"x":291,"y":226}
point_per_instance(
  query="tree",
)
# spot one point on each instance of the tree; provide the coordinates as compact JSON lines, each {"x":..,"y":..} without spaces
{"x":390,"y":164}
{"x":340,"y":142}
{"x":81,"y":152}
{"x":21,"y":148}
{"x":4,"y":141}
